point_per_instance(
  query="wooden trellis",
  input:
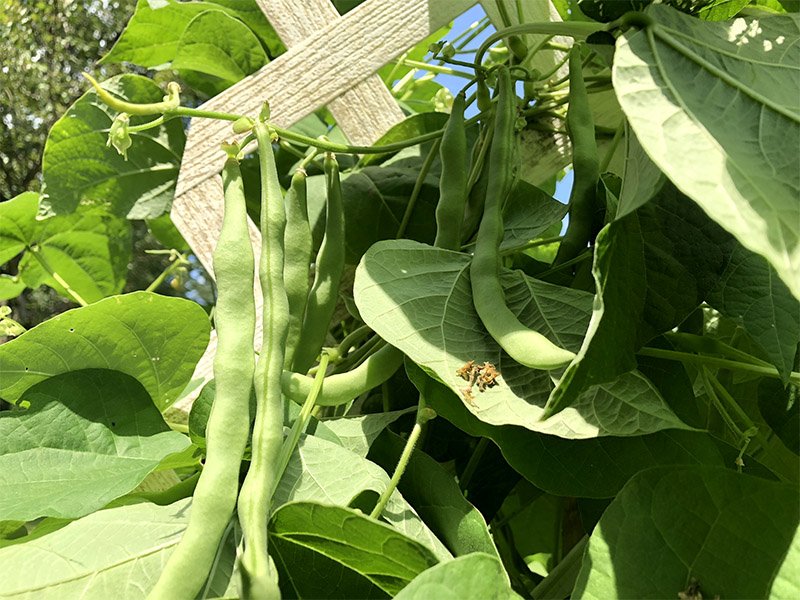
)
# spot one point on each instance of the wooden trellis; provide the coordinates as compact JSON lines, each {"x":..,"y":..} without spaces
{"x":331,"y":61}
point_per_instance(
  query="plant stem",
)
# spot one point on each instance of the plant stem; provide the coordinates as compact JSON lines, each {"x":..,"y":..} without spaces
{"x":59,"y":280}
{"x":722,"y":363}
{"x":177,"y":262}
{"x":435,"y":68}
{"x":613,"y":148}
{"x":569,"y":28}
{"x":412,"y":201}
{"x":472,"y":464}
{"x":301,"y":422}
{"x":424,"y":414}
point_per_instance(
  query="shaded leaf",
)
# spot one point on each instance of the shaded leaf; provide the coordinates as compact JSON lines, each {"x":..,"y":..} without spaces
{"x":677,"y":77}
{"x":727,"y":531}
{"x":154,"y":339}
{"x":88,"y":437}
{"x":79,"y":168}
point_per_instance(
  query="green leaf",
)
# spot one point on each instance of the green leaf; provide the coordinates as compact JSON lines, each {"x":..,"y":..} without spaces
{"x":787,"y":580}
{"x":79,"y":168}
{"x":591,"y":468}
{"x":528,"y":213}
{"x":435,"y":494}
{"x":357,"y":433}
{"x":315,"y":473}
{"x":154,"y":339}
{"x":641,"y":180}
{"x":471,"y":577}
{"x":352,"y":541}
{"x":90,"y":249}
{"x":751,"y":293}
{"x":96,"y":554}
{"x":11,"y":286}
{"x":217,"y":44}
{"x":652,"y":268}
{"x":419,"y":299}
{"x":727,"y":532}
{"x":88,"y":437}
{"x":413,"y":126}
{"x":677,"y":77}
{"x":153,"y":34}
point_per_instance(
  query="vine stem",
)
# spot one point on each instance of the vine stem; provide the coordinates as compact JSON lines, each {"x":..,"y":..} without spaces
{"x":424,"y":414}
{"x":300,"y":423}
{"x":412,"y":201}
{"x":178,"y":261}
{"x":472,"y":464}
{"x":60,"y":280}
{"x":722,"y":363}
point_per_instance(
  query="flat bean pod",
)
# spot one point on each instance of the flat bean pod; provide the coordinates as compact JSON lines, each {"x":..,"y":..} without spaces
{"x":229,"y":422}
{"x":254,"y":498}
{"x":453,"y":180}
{"x":585,"y":214}
{"x":524,"y":345}
{"x":327,"y":277}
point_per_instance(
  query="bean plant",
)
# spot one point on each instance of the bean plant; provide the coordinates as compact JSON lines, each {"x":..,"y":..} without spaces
{"x":432,"y":379}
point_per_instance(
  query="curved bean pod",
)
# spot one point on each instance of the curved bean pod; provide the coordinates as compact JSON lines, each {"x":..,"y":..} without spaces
{"x":524,"y":345}
{"x":229,"y":422}
{"x":340,"y":389}
{"x":255,"y":496}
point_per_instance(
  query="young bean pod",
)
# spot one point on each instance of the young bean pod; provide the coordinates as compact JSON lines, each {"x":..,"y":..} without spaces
{"x":453,"y":181}
{"x":585,"y":210}
{"x":254,"y":499}
{"x":340,"y":389}
{"x":328,"y":274}
{"x":171,"y":100}
{"x":229,"y":422}
{"x":524,"y":345}
{"x":298,"y":244}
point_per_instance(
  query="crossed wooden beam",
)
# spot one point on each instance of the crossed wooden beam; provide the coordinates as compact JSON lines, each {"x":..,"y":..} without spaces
{"x":330,"y":61}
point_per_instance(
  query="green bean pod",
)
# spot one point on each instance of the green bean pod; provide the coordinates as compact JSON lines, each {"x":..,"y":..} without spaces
{"x":229,"y":422}
{"x":342,"y":388}
{"x":298,"y":245}
{"x":524,"y":345}
{"x":254,"y":499}
{"x":584,"y":203}
{"x":327,"y":277}
{"x":453,"y":181}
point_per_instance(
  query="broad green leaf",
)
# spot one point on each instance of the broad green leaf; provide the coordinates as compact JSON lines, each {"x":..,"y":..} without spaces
{"x":527,"y":214}
{"x":591,"y":468}
{"x":435,"y":494}
{"x":722,"y":532}
{"x":87,"y":438}
{"x":93,"y":557}
{"x":641,"y":180}
{"x":472,"y":577}
{"x":382,"y":555}
{"x":787,"y":580}
{"x":11,"y":286}
{"x":412,"y":126}
{"x":154,"y":339}
{"x":652,"y":268}
{"x":357,"y":433}
{"x":375,"y":201}
{"x":89,"y":249}
{"x":315,"y":473}
{"x":79,"y":168}
{"x":217,"y":44}
{"x":419,"y":299}
{"x":751,"y":293}
{"x":715,"y":106}
{"x":152,"y":36}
